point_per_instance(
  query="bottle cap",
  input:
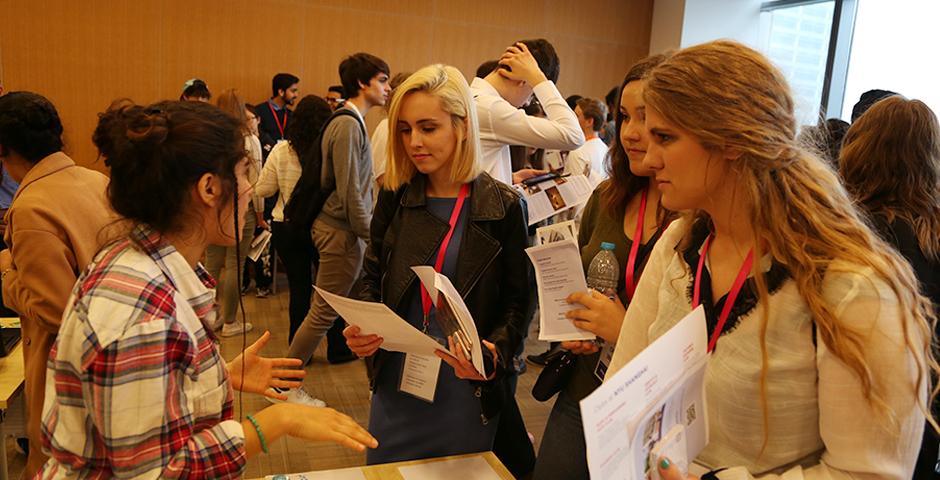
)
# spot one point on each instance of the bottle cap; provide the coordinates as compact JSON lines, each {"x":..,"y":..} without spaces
{"x":608,"y":246}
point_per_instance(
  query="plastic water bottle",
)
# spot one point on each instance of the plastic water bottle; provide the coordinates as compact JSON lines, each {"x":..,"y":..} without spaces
{"x":604,"y":271}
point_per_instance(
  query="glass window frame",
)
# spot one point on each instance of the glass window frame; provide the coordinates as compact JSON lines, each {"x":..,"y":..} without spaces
{"x":840,"y":48}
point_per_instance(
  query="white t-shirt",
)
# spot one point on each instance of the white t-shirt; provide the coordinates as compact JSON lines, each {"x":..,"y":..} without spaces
{"x":588,"y":160}
{"x":379,"y":143}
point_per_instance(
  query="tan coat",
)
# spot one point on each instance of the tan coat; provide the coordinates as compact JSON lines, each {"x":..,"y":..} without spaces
{"x":54,"y":229}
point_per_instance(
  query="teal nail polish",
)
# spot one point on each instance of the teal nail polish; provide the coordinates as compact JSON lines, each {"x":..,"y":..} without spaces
{"x":664,"y":464}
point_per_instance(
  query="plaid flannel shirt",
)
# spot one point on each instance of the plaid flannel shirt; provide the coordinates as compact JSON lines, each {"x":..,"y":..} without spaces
{"x":136,"y":386}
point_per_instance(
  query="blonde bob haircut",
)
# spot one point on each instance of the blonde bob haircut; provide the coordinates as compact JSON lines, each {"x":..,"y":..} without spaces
{"x":447,"y":84}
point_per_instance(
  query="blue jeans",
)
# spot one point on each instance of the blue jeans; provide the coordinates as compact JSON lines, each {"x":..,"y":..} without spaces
{"x":563,"y":454}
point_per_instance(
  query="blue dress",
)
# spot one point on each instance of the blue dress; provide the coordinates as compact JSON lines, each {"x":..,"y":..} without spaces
{"x":408,"y":427}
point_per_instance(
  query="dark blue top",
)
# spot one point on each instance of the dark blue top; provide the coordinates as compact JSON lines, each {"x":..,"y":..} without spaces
{"x":408,"y":427}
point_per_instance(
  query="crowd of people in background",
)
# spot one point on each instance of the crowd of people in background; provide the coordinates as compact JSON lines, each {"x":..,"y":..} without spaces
{"x":814,"y":251}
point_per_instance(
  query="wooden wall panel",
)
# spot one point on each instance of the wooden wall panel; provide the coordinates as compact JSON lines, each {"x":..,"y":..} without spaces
{"x":84,"y":54}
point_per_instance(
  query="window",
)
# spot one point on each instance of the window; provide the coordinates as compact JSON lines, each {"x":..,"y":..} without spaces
{"x":796,"y":38}
{"x":892,"y":49}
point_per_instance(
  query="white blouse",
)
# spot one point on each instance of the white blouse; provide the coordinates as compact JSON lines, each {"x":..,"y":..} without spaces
{"x":820,"y":424}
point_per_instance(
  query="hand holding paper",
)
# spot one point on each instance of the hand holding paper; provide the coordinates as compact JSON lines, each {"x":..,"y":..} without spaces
{"x":558,"y":274}
{"x":360,"y":344}
{"x":636,"y":410}
{"x":454,"y":318}
{"x":600,"y":315}
{"x":377,"y":319}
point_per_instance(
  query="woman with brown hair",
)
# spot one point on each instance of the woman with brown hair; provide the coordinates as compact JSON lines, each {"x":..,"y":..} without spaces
{"x":624,"y":210}
{"x":136,"y":385}
{"x":890,"y":163}
{"x":228,"y":260}
{"x":820,"y":349}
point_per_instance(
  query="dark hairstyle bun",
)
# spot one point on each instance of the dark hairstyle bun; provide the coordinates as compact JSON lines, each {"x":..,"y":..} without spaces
{"x":157,"y":153}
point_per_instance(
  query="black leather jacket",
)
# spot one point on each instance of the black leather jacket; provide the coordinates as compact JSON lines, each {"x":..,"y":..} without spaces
{"x":492,"y":267}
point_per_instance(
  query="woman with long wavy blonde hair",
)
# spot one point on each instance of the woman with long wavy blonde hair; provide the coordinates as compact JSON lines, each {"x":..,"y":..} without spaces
{"x":890,"y":164}
{"x":820,"y":369}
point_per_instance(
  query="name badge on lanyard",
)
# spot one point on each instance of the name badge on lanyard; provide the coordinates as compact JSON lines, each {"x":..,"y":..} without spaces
{"x":419,"y":372}
{"x":419,"y":376}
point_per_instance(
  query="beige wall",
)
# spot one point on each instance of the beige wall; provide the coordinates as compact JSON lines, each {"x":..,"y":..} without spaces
{"x":83,"y":54}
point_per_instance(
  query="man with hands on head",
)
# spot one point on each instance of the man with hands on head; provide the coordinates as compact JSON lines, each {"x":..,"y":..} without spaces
{"x":527,"y":68}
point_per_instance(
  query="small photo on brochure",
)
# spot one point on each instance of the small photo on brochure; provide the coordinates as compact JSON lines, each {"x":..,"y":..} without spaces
{"x":533,"y":189}
{"x":557,"y":233}
{"x":560,"y":180}
{"x":555,"y":198}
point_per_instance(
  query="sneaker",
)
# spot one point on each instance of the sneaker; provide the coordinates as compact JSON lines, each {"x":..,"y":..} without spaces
{"x":262,"y":292}
{"x":299,"y":396}
{"x":235,"y":328}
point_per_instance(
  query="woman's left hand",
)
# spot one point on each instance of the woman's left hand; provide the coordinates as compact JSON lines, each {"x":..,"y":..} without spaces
{"x":601,"y":316}
{"x":260,"y":374}
{"x":671,"y":472}
{"x":463,"y":367}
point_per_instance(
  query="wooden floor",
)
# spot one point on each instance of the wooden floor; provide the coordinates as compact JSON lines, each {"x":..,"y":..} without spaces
{"x":343,"y":387}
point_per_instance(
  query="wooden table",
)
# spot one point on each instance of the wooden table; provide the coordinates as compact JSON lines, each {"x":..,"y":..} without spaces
{"x":389,"y":471}
{"x":12,"y":407}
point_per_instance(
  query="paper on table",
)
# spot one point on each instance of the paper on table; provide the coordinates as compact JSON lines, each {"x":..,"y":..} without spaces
{"x":472,"y":468}
{"x":558,"y":273}
{"x":436,"y":283}
{"x":378,"y":319}
{"x":630,"y":412}
{"x":555,"y":195}
{"x":343,"y":474}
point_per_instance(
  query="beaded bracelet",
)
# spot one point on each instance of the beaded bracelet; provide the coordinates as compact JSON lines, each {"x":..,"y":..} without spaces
{"x":264,"y":444}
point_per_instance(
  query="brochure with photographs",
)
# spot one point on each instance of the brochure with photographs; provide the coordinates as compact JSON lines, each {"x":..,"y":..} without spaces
{"x":654,"y":406}
{"x":555,"y":195}
{"x":452,"y":315}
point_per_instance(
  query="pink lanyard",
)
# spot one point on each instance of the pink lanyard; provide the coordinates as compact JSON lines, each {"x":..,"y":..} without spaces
{"x":732,"y":295}
{"x":439,"y":264}
{"x":635,"y":248}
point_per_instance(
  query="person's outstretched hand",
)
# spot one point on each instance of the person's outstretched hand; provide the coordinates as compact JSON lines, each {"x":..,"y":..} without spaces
{"x":252,"y":373}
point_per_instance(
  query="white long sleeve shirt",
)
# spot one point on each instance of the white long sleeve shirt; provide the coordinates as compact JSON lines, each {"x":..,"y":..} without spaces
{"x":821,"y":427}
{"x":280,"y":174}
{"x":502,"y":125}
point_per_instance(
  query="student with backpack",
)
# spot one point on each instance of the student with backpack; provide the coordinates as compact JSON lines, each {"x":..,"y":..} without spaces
{"x":340,"y":228}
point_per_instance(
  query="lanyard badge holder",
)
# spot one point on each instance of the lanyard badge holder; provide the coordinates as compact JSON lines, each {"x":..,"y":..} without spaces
{"x":419,"y":372}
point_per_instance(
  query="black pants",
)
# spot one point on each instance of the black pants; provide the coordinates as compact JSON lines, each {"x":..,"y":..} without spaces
{"x":298,"y":255}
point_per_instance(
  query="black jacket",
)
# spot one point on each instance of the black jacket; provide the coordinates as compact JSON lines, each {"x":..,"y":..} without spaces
{"x":492,"y":267}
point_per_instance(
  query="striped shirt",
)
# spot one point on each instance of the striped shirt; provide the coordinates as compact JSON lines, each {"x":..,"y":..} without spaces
{"x":136,"y":386}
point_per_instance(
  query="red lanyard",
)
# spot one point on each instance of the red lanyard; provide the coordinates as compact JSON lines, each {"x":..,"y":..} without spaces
{"x":635,"y":247}
{"x":277,"y":121}
{"x":732,"y":295}
{"x":439,"y":264}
